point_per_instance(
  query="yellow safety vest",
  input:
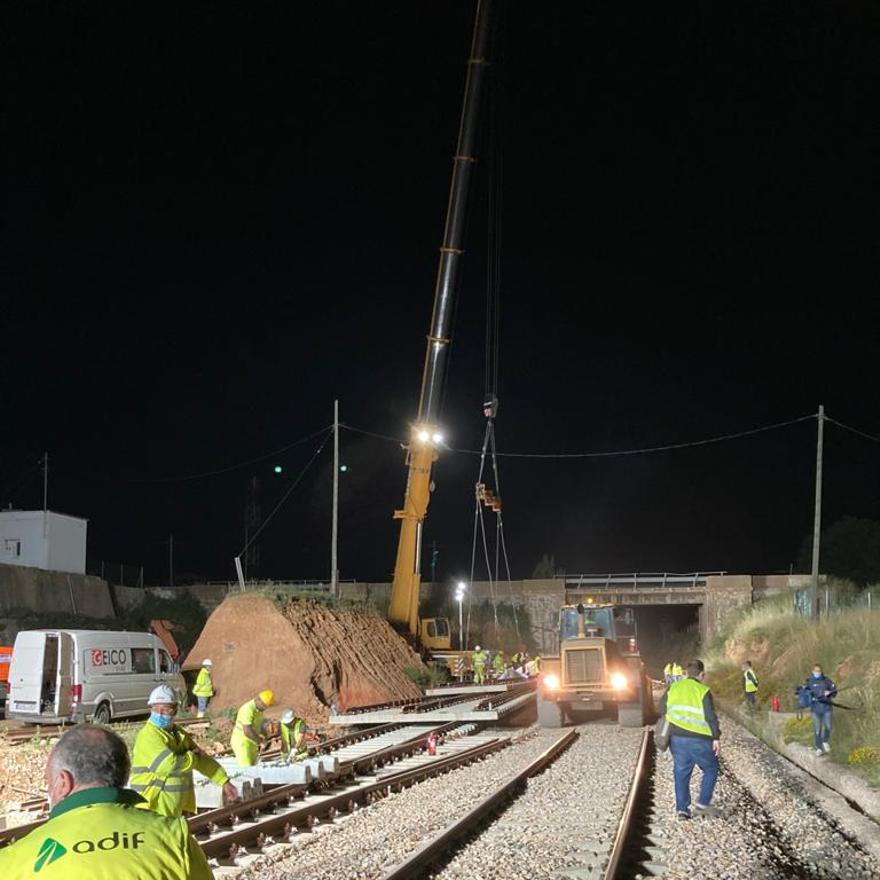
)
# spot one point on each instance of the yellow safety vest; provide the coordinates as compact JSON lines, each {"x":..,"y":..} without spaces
{"x":246,"y":750}
{"x":684,"y":706}
{"x":751,"y":682}
{"x":204,"y":687}
{"x":162,"y":765}
{"x":667,"y":669}
{"x":479,"y":659}
{"x":291,"y":737}
{"x":677,"y":670}
{"x":498,"y":663}
{"x":98,"y":834}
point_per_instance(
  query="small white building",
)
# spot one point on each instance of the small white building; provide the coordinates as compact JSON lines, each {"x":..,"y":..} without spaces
{"x":52,"y":541}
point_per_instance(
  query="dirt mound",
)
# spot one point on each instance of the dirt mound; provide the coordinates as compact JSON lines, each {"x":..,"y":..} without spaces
{"x":308,"y":654}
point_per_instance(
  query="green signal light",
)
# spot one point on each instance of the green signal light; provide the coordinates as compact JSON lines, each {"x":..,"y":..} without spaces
{"x":277,"y":468}
{"x":343,"y":468}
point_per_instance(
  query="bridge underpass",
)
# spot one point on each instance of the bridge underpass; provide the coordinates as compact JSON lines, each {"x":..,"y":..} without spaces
{"x":714,"y":595}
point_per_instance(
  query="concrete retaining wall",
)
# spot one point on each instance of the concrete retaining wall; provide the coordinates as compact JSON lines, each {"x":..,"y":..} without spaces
{"x":24,"y":589}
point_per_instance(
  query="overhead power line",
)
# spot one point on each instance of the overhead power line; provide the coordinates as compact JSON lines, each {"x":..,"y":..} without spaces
{"x":286,"y":495}
{"x":611,"y":453}
{"x":854,"y":430}
{"x":233,"y":467}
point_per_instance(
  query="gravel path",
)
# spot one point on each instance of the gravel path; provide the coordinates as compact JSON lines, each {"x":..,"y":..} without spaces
{"x":367,"y":843}
{"x":576,"y":800}
{"x":771,"y":827}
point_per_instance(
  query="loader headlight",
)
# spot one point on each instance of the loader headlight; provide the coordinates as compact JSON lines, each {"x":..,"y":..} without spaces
{"x":551,"y":682}
{"x":619,"y":681}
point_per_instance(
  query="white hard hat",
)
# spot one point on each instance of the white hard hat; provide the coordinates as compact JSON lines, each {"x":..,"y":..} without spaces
{"x":162,"y":694}
{"x":478,"y":648}
{"x":207,"y":662}
{"x":288,"y":716}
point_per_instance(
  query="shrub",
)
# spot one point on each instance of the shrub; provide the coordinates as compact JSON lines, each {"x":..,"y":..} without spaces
{"x":864,"y":755}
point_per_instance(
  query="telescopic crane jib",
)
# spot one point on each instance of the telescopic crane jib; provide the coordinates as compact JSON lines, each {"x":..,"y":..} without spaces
{"x":426,"y":436}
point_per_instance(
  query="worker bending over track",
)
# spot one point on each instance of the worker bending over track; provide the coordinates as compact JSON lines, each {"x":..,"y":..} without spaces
{"x":164,"y":757}
{"x":94,"y":829}
{"x":293,"y":737}
{"x":249,"y":729}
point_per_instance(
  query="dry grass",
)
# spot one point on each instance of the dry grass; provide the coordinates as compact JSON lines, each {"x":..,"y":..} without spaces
{"x":783,"y":647}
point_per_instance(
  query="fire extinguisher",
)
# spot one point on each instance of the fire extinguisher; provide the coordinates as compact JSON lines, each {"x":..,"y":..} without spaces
{"x":432,"y":743}
{"x":774,"y":703}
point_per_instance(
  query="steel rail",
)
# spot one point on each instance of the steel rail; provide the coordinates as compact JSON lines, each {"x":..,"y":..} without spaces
{"x":416,"y":863}
{"x":280,"y":794}
{"x":278,"y":826}
{"x":623,"y":838}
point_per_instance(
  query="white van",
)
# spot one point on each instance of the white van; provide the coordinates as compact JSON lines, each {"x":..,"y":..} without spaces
{"x":72,"y":675}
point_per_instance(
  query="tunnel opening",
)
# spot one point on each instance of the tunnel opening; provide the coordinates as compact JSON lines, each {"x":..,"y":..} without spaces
{"x":667,"y":633}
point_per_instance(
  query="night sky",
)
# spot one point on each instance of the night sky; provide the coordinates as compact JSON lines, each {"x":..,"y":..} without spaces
{"x":218,"y":218}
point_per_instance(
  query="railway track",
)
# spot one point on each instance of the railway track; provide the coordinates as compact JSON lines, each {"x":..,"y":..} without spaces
{"x":18,"y":735}
{"x":252,"y":822}
{"x":430,"y":852}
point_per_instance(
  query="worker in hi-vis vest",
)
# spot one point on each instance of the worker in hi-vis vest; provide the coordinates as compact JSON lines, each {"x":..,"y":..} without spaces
{"x":750,"y":685}
{"x":293,"y":736}
{"x":163,"y":760}
{"x":94,"y":829}
{"x":479,"y":661}
{"x":204,"y":686}
{"x":498,"y":663}
{"x":694,"y":739}
{"x":249,"y":729}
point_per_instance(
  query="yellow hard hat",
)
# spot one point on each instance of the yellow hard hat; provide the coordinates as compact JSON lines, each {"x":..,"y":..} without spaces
{"x":267,"y":698}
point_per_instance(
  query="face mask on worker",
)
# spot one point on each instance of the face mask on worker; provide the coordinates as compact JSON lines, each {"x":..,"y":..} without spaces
{"x":163,"y":721}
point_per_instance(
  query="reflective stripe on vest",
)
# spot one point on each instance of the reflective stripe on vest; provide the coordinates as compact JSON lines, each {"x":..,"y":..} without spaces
{"x":684,"y":706}
{"x":751,"y":683}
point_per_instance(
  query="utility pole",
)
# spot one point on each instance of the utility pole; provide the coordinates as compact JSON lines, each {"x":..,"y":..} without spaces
{"x":45,"y":494}
{"x":334,"y":537}
{"x":817,"y":517}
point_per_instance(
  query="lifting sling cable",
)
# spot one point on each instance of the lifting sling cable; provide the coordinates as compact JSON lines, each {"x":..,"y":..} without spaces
{"x":477,"y":519}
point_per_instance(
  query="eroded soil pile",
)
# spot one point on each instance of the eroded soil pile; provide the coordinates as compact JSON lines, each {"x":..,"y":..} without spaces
{"x":308,"y":654}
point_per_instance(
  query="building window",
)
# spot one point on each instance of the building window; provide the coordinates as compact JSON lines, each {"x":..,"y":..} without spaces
{"x":13,"y":548}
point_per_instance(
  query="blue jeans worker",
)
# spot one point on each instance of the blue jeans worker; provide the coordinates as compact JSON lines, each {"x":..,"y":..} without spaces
{"x":822,"y":690}
{"x":694,"y":739}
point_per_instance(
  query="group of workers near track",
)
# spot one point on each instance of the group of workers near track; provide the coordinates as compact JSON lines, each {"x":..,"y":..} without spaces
{"x":695,"y":735}
{"x":494,"y":666}
{"x":124,"y":817}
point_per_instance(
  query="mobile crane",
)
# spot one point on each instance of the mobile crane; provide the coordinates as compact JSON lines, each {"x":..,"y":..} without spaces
{"x":426,"y":436}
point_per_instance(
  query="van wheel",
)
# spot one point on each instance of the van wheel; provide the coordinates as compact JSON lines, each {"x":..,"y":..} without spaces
{"x":102,"y":714}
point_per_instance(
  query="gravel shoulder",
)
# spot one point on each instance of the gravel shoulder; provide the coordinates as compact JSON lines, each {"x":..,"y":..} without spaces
{"x":776,"y":822}
{"x":364,"y":845}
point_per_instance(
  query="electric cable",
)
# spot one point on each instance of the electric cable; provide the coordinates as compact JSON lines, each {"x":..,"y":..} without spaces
{"x":286,"y":495}
{"x":618,"y":452}
{"x":234,"y":467}
{"x":853,"y":430}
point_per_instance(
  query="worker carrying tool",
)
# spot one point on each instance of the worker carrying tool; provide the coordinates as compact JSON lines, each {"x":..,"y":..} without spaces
{"x":204,"y":687}
{"x":94,"y":829}
{"x":479,"y":660}
{"x":293,"y":736}
{"x":164,"y":757}
{"x":249,"y":729}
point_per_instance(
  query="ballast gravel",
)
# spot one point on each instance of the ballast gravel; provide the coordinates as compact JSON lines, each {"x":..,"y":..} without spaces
{"x":567,"y":811}
{"x":364,"y":845}
{"x":770,"y":827}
